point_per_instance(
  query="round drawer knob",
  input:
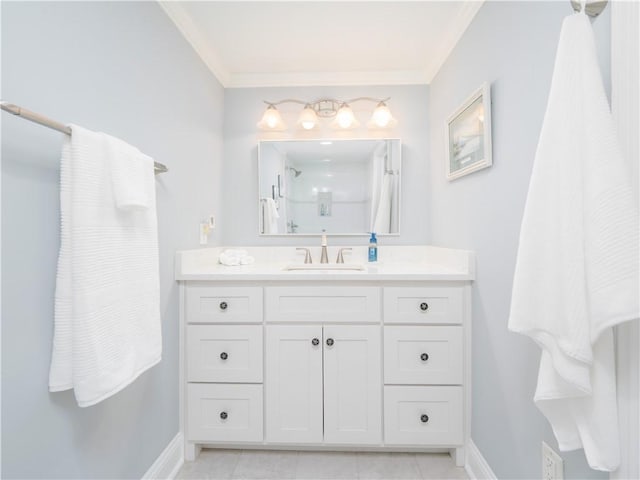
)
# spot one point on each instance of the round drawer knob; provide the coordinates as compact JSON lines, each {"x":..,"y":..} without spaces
{"x":224,"y":355}
{"x":329,"y":341}
{"x":315,"y":341}
{"x":424,"y":306}
{"x":424,"y":418}
{"x":223,"y":305}
{"x":224,"y":415}
{"x":424,"y":357}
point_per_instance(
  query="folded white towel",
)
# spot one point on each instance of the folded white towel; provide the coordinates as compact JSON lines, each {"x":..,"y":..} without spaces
{"x":133,"y":186}
{"x":232,"y":257}
{"x":107,"y":308}
{"x":577,"y":269}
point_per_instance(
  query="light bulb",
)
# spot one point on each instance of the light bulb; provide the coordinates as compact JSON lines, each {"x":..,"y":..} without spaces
{"x":345,"y":117}
{"x":308,"y":118}
{"x":271,"y":120}
{"x":382,"y":117}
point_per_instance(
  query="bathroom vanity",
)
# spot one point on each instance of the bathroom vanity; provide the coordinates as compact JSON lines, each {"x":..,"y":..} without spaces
{"x":366,"y":357}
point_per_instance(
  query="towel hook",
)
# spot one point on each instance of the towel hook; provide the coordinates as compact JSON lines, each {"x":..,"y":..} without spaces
{"x":592,"y":8}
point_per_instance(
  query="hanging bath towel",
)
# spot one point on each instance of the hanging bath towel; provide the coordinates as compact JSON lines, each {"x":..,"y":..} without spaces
{"x":577,"y":269}
{"x":107,"y":306}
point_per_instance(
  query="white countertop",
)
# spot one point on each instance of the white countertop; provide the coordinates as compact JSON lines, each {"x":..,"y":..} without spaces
{"x":397,"y":263}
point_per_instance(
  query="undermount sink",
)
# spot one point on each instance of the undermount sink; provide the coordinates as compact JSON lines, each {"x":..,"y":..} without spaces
{"x":324,"y":266}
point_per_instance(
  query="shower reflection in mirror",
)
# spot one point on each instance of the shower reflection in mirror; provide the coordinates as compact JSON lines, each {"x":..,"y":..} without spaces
{"x":347,"y":187}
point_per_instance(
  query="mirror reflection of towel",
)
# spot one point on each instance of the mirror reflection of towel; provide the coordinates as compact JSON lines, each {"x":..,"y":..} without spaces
{"x":382,"y":221}
{"x":271,"y":216}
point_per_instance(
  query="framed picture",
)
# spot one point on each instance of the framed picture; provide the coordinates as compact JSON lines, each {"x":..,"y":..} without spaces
{"x":469,"y":135}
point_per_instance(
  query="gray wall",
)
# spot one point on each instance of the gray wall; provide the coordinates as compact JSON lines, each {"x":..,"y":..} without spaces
{"x":512,"y":45}
{"x":244,"y":108}
{"x":122,"y":68}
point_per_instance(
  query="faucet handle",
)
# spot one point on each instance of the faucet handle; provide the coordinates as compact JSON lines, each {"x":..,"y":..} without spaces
{"x":307,"y":257}
{"x":340,"y":258}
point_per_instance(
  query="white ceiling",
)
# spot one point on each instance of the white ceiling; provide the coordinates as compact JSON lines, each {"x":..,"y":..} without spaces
{"x":300,"y":43}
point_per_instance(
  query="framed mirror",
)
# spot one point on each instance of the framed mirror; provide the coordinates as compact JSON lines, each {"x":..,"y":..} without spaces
{"x":344,"y":187}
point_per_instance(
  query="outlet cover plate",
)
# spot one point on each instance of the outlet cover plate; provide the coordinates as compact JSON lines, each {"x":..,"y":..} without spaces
{"x":552,"y":466}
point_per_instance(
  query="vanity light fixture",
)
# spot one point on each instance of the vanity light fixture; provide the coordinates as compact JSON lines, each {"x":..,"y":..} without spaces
{"x":271,"y":120}
{"x":340,"y":111}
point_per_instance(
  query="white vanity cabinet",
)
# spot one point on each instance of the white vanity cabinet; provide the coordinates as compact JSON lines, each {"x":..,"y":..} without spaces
{"x":322,"y":384}
{"x":371,"y":361}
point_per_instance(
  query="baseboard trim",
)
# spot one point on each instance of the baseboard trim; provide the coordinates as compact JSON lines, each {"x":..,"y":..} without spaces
{"x":476,"y":465}
{"x":169,"y":462}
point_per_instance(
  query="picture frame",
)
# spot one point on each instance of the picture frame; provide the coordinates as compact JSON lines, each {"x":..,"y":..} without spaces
{"x":468,"y":135}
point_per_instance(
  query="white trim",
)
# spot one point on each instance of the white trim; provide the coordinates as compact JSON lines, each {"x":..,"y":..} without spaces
{"x":177,"y":13}
{"x":454,"y":33}
{"x":169,"y":462}
{"x":625,"y":100}
{"x":476,"y":465}
{"x":196,"y":39}
{"x":311,"y":79}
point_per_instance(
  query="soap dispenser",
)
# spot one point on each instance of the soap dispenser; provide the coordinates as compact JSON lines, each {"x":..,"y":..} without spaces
{"x":373,"y":248}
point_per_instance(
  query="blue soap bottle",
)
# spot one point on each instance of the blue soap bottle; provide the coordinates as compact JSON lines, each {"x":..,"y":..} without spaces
{"x":373,"y":248}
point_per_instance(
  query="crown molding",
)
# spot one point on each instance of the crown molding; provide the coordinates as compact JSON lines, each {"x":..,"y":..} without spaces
{"x":179,"y":16}
{"x":227,"y":79}
{"x":314,"y":79}
{"x":454,"y":33}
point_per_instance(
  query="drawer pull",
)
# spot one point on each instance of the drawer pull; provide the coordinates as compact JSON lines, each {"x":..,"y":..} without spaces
{"x":315,"y":342}
{"x":223,"y":305}
{"x":330,"y":341}
{"x":424,"y":418}
{"x":424,"y":306}
{"x":224,"y":355}
{"x":224,"y":415}
{"x":424,"y":357}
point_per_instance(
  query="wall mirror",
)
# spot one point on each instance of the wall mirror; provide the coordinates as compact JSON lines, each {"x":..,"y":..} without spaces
{"x":344,"y":187}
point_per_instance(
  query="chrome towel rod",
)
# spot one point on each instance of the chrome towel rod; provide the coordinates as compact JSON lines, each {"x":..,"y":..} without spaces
{"x":47,"y":122}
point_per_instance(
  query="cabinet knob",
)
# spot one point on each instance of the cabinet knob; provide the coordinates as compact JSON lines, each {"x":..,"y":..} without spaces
{"x":223,"y":305}
{"x":224,"y":415}
{"x":424,"y":418}
{"x":315,"y":341}
{"x":224,"y":355}
{"x":424,"y":357}
{"x":424,"y":306}
{"x":329,"y":341}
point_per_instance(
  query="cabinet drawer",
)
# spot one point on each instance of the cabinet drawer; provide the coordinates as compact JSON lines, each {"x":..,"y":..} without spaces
{"x":423,"y":305}
{"x":231,"y":413}
{"x":317,"y":304}
{"x":224,"y":353}
{"x":421,"y":355}
{"x":423,"y":416}
{"x":223,"y":304}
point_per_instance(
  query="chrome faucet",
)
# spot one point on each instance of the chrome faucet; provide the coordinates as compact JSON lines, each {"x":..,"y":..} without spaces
{"x":307,"y":257}
{"x":324,"y":258}
{"x":340,"y":258}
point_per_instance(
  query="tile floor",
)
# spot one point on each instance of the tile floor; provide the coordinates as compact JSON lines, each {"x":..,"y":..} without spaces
{"x":280,"y":465}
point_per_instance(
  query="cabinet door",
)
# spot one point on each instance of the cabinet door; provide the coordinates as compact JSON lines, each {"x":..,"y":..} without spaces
{"x":352,"y":384}
{"x":294,"y":384}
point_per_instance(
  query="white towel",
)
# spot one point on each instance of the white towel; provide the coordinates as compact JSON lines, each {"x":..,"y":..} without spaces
{"x":133,"y":186}
{"x":107,"y":311}
{"x":232,"y":257}
{"x":577,"y":269}
{"x":271,"y":216}
{"x":382,"y":221}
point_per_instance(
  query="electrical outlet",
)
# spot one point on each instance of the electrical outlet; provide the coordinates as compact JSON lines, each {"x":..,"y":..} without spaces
{"x":552,"y":467}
